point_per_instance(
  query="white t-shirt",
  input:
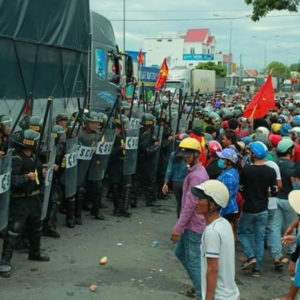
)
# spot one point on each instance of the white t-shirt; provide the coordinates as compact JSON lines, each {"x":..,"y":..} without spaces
{"x":273,"y":200}
{"x":218,"y":242}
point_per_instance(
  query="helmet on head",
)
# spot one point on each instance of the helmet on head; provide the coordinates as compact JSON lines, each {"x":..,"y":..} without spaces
{"x":285,"y":128}
{"x":28,"y":139}
{"x":295,"y":131}
{"x":31,"y":122}
{"x":5,"y":121}
{"x":61,"y":117}
{"x":214,"y":189}
{"x":102,"y":117}
{"x":188,"y":146}
{"x":91,"y":116}
{"x":282,"y":119}
{"x":276,"y":127}
{"x":296,"y":120}
{"x":275,"y":139}
{"x":121,"y":121}
{"x":213,"y":147}
{"x":228,"y":154}
{"x":259,"y":149}
{"x":284,"y":145}
{"x":262,"y":130}
{"x":148,"y":119}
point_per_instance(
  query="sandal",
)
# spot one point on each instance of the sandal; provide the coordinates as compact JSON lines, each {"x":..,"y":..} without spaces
{"x":190,"y":293}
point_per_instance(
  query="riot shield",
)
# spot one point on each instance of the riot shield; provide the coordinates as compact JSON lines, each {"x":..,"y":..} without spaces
{"x":86,"y":148}
{"x":49,"y":176}
{"x":5,"y":175}
{"x":101,"y":158}
{"x":131,"y":147}
{"x":71,"y":167}
{"x":158,"y":134}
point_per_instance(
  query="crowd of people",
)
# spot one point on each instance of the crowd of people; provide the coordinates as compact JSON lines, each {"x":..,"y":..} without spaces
{"x":232,"y":179}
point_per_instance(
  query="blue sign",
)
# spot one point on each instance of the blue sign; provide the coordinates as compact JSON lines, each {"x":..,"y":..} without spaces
{"x":100,"y":63}
{"x":198,"y":56}
{"x":148,"y":74}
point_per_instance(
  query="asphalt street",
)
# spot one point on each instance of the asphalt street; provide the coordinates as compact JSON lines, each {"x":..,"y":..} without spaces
{"x":135,"y":269}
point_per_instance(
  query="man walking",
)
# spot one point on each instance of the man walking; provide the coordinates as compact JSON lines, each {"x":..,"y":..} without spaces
{"x":190,"y":225}
{"x":255,"y":182}
{"x":217,"y":245}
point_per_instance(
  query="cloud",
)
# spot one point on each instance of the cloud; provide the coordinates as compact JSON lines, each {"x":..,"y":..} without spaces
{"x":243,"y":43}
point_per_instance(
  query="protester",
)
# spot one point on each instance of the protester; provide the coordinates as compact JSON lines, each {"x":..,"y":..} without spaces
{"x":190,"y":225}
{"x":217,"y":245}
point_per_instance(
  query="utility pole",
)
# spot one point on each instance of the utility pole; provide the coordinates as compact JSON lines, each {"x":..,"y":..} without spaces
{"x":124,"y":28}
{"x":241,"y":70}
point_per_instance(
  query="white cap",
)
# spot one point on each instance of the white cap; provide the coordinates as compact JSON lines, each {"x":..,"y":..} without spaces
{"x":214,"y":189}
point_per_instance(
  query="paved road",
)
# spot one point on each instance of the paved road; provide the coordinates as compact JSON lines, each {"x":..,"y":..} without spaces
{"x":135,"y":269}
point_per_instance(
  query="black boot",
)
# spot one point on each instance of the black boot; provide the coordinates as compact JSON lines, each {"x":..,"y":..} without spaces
{"x":96,"y":209}
{"x":125,"y":205}
{"x":78,"y":209}
{"x":117,"y":200}
{"x":70,"y":213}
{"x":96,"y":198}
{"x":49,"y":224}
{"x":9,"y":245}
{"x":35,"y":248}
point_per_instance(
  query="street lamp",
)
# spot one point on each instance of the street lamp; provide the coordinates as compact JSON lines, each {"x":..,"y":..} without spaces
{"x":124,"y":21}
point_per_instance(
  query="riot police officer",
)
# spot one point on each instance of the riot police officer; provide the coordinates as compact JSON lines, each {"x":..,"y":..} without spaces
{"x":5,"y":127}
{"x":49,"y":223}
{"x":87,"y":141}
{"x":25,"y":205}
{"x":116,"y":166}
{"x":148,"y":154}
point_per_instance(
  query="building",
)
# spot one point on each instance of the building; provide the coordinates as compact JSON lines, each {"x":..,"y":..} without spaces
{"x":183,"y":49}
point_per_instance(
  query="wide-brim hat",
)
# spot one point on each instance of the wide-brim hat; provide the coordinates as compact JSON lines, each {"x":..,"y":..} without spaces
{"x":294,"y":200}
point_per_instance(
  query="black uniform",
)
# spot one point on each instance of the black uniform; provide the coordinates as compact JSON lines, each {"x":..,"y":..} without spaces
{"x":148,"y":152}
{"x":25,"y":208}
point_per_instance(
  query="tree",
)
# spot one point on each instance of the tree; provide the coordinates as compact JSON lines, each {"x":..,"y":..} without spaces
{"x":262,"y":7}
{"x":220,"y":70}
{"x":295,"y":67}
{"x":280,"y":70}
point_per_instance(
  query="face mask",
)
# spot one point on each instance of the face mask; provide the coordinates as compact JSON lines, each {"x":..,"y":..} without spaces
{"x":296,"y":185}
{"x":221,"y":164}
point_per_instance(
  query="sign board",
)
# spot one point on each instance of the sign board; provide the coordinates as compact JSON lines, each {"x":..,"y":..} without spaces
{"x":198,"y":57}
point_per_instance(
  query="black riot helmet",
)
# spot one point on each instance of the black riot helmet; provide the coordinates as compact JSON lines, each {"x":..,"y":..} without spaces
{"x":31,"y":122}
{"x":28,"y":139}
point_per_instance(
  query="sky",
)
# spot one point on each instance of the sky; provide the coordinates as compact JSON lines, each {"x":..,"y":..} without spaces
{"x":278,"y":33}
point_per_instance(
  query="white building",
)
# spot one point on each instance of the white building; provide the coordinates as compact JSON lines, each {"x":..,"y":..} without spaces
{"x":182,"y":49}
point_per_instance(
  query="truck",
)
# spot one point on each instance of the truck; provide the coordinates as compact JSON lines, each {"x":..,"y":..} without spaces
{"x":190,"y":81}
{"x":287,"y":85}
{"x":82,"y":62}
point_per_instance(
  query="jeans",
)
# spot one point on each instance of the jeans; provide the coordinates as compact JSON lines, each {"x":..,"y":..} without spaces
{"x":251,"y":234}
{"x":270,"y":232}
{"x":177,"y":187}
{"x":284,"y":216}
{"x":187,"y":251}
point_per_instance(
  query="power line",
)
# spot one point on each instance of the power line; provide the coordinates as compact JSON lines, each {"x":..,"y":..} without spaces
{"x":197,"y":19}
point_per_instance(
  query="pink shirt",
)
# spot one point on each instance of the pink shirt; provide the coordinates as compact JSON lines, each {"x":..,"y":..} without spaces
{"x":189,"y":219}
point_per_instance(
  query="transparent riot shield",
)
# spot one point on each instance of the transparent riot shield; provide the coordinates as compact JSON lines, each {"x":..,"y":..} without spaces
{"x":158,"y":134}
{"x":100,"y":160}
{"x":5,"y":175}
{"x":86,"y":149}
{"x":49,"y":176}
{"x":71,"y":167}
{"x":131,"y":147}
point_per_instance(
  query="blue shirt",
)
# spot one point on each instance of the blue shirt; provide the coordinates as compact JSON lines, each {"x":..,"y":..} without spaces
{"x":176,"y":170}
{"x":230,"y":177}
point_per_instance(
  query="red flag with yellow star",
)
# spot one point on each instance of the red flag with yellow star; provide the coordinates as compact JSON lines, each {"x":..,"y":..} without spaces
{"x":162,"y":75}
{"x":262,"y":101}
{"x":140,"y":57}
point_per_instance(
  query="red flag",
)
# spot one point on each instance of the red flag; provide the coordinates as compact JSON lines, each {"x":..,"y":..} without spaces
{"x":262,"y":101}
{"x":162,"y":75}
{"x":140,"y":57}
